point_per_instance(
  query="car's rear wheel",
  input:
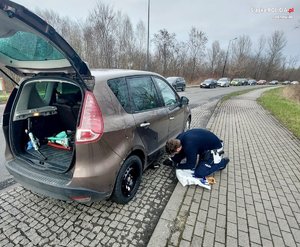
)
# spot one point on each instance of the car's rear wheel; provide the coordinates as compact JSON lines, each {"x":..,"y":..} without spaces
{"x":128,"y":180}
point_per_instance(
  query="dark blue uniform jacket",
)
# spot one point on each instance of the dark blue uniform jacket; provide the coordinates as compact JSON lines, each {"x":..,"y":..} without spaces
{"x":194,"y":142}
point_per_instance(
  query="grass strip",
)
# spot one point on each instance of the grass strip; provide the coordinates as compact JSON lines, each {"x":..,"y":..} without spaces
{"x":237,"y":93}
{"x":285,"y":110}
{"x":3,"y":98}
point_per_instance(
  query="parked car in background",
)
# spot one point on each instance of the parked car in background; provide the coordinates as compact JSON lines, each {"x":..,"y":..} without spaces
{"x":261,"y":82}
{"x":177,"y":82}
{"x":244,"y":81}
{"x":236,"y":82}
{"x":208,"y":83}
{"x":294,"y":82}
{"x":223,"y":82}
{"x":274,"y":82}
{"x":77,"y":134}
{"x":286,"y":82}
{"x":252,"y":82}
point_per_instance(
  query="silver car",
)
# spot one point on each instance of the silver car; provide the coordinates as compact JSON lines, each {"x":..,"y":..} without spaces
{"x":223,"y":82}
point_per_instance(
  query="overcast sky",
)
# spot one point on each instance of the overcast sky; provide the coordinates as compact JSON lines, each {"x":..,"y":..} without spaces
{"x":221,"y":20}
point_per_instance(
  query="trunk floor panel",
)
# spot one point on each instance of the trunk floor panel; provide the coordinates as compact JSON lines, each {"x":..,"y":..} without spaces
{"x":57,"y":159}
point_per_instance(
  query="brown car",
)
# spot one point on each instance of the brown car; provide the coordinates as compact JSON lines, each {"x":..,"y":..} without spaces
{"x":78,"y":134}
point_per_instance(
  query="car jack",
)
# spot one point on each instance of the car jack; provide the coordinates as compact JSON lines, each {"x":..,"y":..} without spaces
{"x":34,"y":141}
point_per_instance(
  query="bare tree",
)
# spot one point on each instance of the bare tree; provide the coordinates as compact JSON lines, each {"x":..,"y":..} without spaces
{"x":140,"y":40}
{"x":66,"y":27}
{"x":165,"y":43}
{"x":258,"y":58}
{"x":125,"y":42}
{"x":241,"y":54}
{"x":276,"y":43}
{"x":290,"y":71}
{"x":197,"y":42}
{"x":215,"y":56}
{"x":102,"y":20}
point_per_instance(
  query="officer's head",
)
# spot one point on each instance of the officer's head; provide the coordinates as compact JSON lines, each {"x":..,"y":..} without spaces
{"x":173,"y":146}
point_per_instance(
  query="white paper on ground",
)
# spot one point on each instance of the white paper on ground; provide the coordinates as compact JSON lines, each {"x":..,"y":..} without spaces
{"x":185,"y":177}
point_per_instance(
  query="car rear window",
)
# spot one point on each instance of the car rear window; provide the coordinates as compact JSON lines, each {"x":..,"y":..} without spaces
{"x":24,"y":46}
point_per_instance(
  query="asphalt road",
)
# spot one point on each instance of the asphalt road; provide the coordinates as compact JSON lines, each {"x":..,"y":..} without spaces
{"x":198,"y":96}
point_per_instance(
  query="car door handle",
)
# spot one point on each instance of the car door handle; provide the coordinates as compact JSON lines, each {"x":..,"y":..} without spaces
{"x":144,"y":124}
{"x":172,"y":118}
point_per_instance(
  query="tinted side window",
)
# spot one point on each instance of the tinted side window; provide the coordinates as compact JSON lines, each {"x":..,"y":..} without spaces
{"x":143,"y":93}
{"x":119,"y":87}
{"x":41,"y":88}
{"x":169,"y":96}
{"x":68,"y":93}
{"x":67,"y":88}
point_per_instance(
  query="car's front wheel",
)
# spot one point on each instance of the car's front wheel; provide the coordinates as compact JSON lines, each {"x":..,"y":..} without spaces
{"x":128,"y":180}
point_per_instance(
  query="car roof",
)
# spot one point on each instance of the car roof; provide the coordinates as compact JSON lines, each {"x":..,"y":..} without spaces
{"x":107,"y":74}
{"x":171,"y":77}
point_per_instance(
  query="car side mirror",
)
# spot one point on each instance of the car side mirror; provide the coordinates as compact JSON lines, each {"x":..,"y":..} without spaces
{"x":184,"y":101}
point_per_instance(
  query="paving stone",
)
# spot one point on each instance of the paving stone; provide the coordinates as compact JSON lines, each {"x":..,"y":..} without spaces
{"x":184,"y":243}
{"x":230,"y":241}
{"x":267,"y":243}
{"x":208,"y":239}
{"x":188,"y":233}
{"x":220,"y":235}
{"x":243,"y":238}
{"x":191,"y":219}
{"x":264,"y":231}
{"x":202,"y":215}
{"x":252,"y":221}
{"x":231,"y":229}
{"x":271,"y":216}
{"x":288,"y":239}
{"x":199,"y":229}
{"x":232,"y":216}
{"x":196,"y":242}
{"x":278,"y":241}
{"x":296,"y":234}
{"x":283,"y":225}
{"x":243,"y":225}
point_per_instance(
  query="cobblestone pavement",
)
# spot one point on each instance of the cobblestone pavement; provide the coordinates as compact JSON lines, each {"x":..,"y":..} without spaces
{"x":256,"y":199}
{"x":27,"y":219}
{"x":30,"y":220}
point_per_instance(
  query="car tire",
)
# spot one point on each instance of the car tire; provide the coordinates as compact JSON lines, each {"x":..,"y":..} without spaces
{"x":128,"y":180}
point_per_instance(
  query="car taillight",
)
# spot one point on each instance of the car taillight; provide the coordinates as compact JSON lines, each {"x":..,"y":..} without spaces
{"x":91,"y":125}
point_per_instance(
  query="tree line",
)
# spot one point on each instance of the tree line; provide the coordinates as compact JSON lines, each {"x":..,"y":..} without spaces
{"x":107,"y":39}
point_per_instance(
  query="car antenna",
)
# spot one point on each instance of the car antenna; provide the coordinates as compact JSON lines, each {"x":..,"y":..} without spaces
{"x":34,"y":141}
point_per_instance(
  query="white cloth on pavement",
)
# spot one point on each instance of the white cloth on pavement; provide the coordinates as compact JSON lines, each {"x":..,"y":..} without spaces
{"x":185,"y":177}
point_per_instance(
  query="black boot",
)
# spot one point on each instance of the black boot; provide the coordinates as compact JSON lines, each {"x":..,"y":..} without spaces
{"x":168,"y":162}
{"x":225,"y":161}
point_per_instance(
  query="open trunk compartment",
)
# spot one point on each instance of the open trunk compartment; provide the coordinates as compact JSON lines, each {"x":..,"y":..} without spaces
{"x":44,"y":121}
